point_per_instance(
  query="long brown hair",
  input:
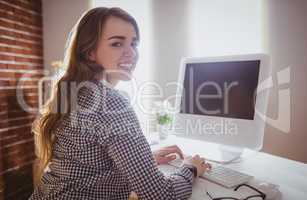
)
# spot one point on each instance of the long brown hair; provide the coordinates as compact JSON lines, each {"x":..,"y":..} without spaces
{"x":82,"y":41}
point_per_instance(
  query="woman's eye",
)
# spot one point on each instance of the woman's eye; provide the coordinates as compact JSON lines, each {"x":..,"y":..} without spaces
{"x":134,"y":44}
{"x":116,"y":44}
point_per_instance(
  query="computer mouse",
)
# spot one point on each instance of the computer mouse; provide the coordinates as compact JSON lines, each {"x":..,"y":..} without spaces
{"x":270,"y":190}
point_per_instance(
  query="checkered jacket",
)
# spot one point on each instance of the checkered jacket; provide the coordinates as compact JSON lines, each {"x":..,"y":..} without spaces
{"x":101,"y":153}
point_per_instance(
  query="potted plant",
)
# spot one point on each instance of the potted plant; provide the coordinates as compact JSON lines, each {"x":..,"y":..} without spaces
{"x":164,"y":118}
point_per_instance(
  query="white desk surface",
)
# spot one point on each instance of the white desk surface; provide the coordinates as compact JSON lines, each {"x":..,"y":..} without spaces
{"x":290,"y":175}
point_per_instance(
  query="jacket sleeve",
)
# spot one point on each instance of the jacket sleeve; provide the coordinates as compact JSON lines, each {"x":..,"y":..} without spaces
{"x":132,"y":155}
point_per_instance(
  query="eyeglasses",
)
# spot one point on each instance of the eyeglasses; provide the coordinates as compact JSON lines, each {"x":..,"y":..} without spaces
{"x":259,"y":196}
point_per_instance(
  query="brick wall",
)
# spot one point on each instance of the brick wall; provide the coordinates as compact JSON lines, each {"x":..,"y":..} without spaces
{"x":21,"y":65}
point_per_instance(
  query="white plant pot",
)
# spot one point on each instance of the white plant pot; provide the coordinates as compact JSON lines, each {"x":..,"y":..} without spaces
{"x":163,"y":131}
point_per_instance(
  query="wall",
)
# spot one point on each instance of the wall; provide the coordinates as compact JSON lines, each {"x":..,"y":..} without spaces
{"x":198,"y":28}
{"x":224,"y":27}
{"x":286,"y":42}
{"x":58,"y":18}
{"x":171,"y":42}
{"x":21,"y":56}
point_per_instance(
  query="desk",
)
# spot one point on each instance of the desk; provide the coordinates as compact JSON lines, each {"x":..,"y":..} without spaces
{"x":290,"y":175}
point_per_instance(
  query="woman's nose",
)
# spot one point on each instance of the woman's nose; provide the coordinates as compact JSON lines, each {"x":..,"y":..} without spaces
{"x":130,"y":52}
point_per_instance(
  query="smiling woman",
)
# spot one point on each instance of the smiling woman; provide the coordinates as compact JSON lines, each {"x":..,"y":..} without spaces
{"x":117,"y":49}
{"x":88,"y":138}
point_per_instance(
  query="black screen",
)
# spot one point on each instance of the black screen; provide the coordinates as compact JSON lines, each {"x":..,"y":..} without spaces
{"x":226,"y":89}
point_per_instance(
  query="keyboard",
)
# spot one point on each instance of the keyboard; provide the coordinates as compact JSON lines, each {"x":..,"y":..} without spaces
{"x":221,"y":175}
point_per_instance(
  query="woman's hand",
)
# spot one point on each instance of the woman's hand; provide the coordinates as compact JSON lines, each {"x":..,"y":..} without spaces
{"x":198,"y":162}
{"x":162,"y":156}
{"x":133,"y":196}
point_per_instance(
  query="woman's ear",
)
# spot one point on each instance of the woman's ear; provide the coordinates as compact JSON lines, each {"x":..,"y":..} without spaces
{"x":92,"y":56}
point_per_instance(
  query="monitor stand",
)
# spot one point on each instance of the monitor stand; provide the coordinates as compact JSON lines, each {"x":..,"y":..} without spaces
{"x":225,"y":154}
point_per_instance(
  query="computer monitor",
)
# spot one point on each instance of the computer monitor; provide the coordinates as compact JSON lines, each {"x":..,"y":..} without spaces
{"x":220,"y":98}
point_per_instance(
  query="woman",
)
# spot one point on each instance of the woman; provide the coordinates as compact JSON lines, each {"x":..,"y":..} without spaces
{"x":89,"y":136}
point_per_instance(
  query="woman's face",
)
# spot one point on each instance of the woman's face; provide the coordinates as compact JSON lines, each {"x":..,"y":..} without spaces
{"x":117,"y":50}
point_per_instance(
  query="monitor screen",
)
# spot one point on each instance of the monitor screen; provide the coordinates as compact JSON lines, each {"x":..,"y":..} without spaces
{"x":224,"y":89}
